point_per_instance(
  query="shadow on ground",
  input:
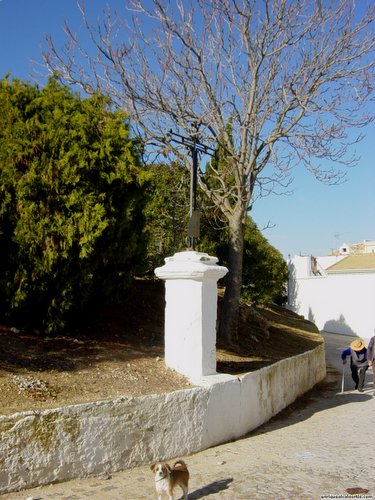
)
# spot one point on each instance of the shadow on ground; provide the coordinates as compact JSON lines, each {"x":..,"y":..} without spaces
{"x":325,"y":395}
{"x":210,"y":489}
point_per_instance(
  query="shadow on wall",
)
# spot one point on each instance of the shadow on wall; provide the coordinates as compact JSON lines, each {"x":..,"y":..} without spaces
{"x":292,"y":288}
{"x":339,"y":326}
{"x":311,"y":316}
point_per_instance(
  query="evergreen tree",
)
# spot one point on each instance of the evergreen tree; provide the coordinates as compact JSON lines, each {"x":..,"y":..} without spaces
{"x":265,"y":272}
{"x":167,"y":212}
{"x":71,"y":202}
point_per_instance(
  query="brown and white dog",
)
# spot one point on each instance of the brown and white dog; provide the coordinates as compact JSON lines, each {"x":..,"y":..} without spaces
{"x":167,"y":478}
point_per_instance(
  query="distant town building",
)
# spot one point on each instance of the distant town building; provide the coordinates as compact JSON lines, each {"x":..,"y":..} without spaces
{"x":368,"y":246}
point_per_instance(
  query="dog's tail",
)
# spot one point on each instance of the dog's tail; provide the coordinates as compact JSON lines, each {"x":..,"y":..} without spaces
{"x":180,"y":464}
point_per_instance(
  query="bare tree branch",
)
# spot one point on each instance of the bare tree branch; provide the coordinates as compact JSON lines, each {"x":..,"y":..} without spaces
{"x":293,"y":78}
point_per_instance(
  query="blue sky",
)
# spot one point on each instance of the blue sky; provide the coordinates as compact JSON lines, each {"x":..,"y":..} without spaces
{"x":314,"y":219}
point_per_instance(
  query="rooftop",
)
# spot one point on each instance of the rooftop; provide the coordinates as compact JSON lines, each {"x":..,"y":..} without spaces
{"x":354,"y":262}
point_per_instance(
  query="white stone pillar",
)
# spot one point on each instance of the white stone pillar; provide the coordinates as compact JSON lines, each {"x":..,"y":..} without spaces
{"x":190,"y":312}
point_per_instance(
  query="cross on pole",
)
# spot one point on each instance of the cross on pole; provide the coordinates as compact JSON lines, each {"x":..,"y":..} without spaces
{"x":195,"y":147}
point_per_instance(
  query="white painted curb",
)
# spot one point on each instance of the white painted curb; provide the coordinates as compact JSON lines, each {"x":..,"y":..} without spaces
{"x":41,"y":447}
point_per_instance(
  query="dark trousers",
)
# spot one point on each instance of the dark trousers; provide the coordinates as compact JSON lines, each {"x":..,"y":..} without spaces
{"x":358,"y":375}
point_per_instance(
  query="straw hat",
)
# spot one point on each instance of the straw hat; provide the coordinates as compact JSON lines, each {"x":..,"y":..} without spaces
{"x":357,"y":345}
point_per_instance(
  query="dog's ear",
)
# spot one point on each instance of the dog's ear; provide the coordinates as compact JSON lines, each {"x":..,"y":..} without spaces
{"x":168,"y":467}
{"x":152,"y":467}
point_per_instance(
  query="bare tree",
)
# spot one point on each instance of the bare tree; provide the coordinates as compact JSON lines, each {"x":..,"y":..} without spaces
{"x":292,"y":78}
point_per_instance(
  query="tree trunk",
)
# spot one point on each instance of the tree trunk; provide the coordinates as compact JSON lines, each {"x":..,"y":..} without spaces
{"x":228,"y":327}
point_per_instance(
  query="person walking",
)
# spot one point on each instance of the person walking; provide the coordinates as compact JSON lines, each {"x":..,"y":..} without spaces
{"x":358,"y":362}
{"x":371,"y":356}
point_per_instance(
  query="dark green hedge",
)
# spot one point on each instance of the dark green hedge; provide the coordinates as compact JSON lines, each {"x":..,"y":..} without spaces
{"x":71,"y":203}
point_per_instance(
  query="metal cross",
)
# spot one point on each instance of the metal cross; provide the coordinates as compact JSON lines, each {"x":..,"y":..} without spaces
{"x":195,"y":147}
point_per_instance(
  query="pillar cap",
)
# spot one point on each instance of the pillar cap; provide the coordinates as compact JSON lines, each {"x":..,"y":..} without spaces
{"x":191,"y":265}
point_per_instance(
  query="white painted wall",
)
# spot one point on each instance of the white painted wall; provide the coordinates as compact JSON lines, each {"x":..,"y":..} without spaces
{"x":40,"y":447}
{"x":369,"y":246}
{"x":337,"y":303}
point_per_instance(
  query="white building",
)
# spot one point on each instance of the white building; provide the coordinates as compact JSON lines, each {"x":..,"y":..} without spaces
{"x":368,"y":246}
{"x":336,"y":292}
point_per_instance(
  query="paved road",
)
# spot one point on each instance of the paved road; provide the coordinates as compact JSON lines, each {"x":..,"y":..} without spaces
{"x":319,"y":447}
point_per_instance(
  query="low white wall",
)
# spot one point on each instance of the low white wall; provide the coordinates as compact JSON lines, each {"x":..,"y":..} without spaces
{"x":337,"y":303}
{"x":40,"y":447}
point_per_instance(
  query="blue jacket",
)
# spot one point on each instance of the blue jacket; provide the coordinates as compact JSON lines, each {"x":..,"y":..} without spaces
{"x":357,"y":358}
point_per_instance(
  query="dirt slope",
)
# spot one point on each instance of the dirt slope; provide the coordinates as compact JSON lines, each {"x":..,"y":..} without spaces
{"x":121,"y":353}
